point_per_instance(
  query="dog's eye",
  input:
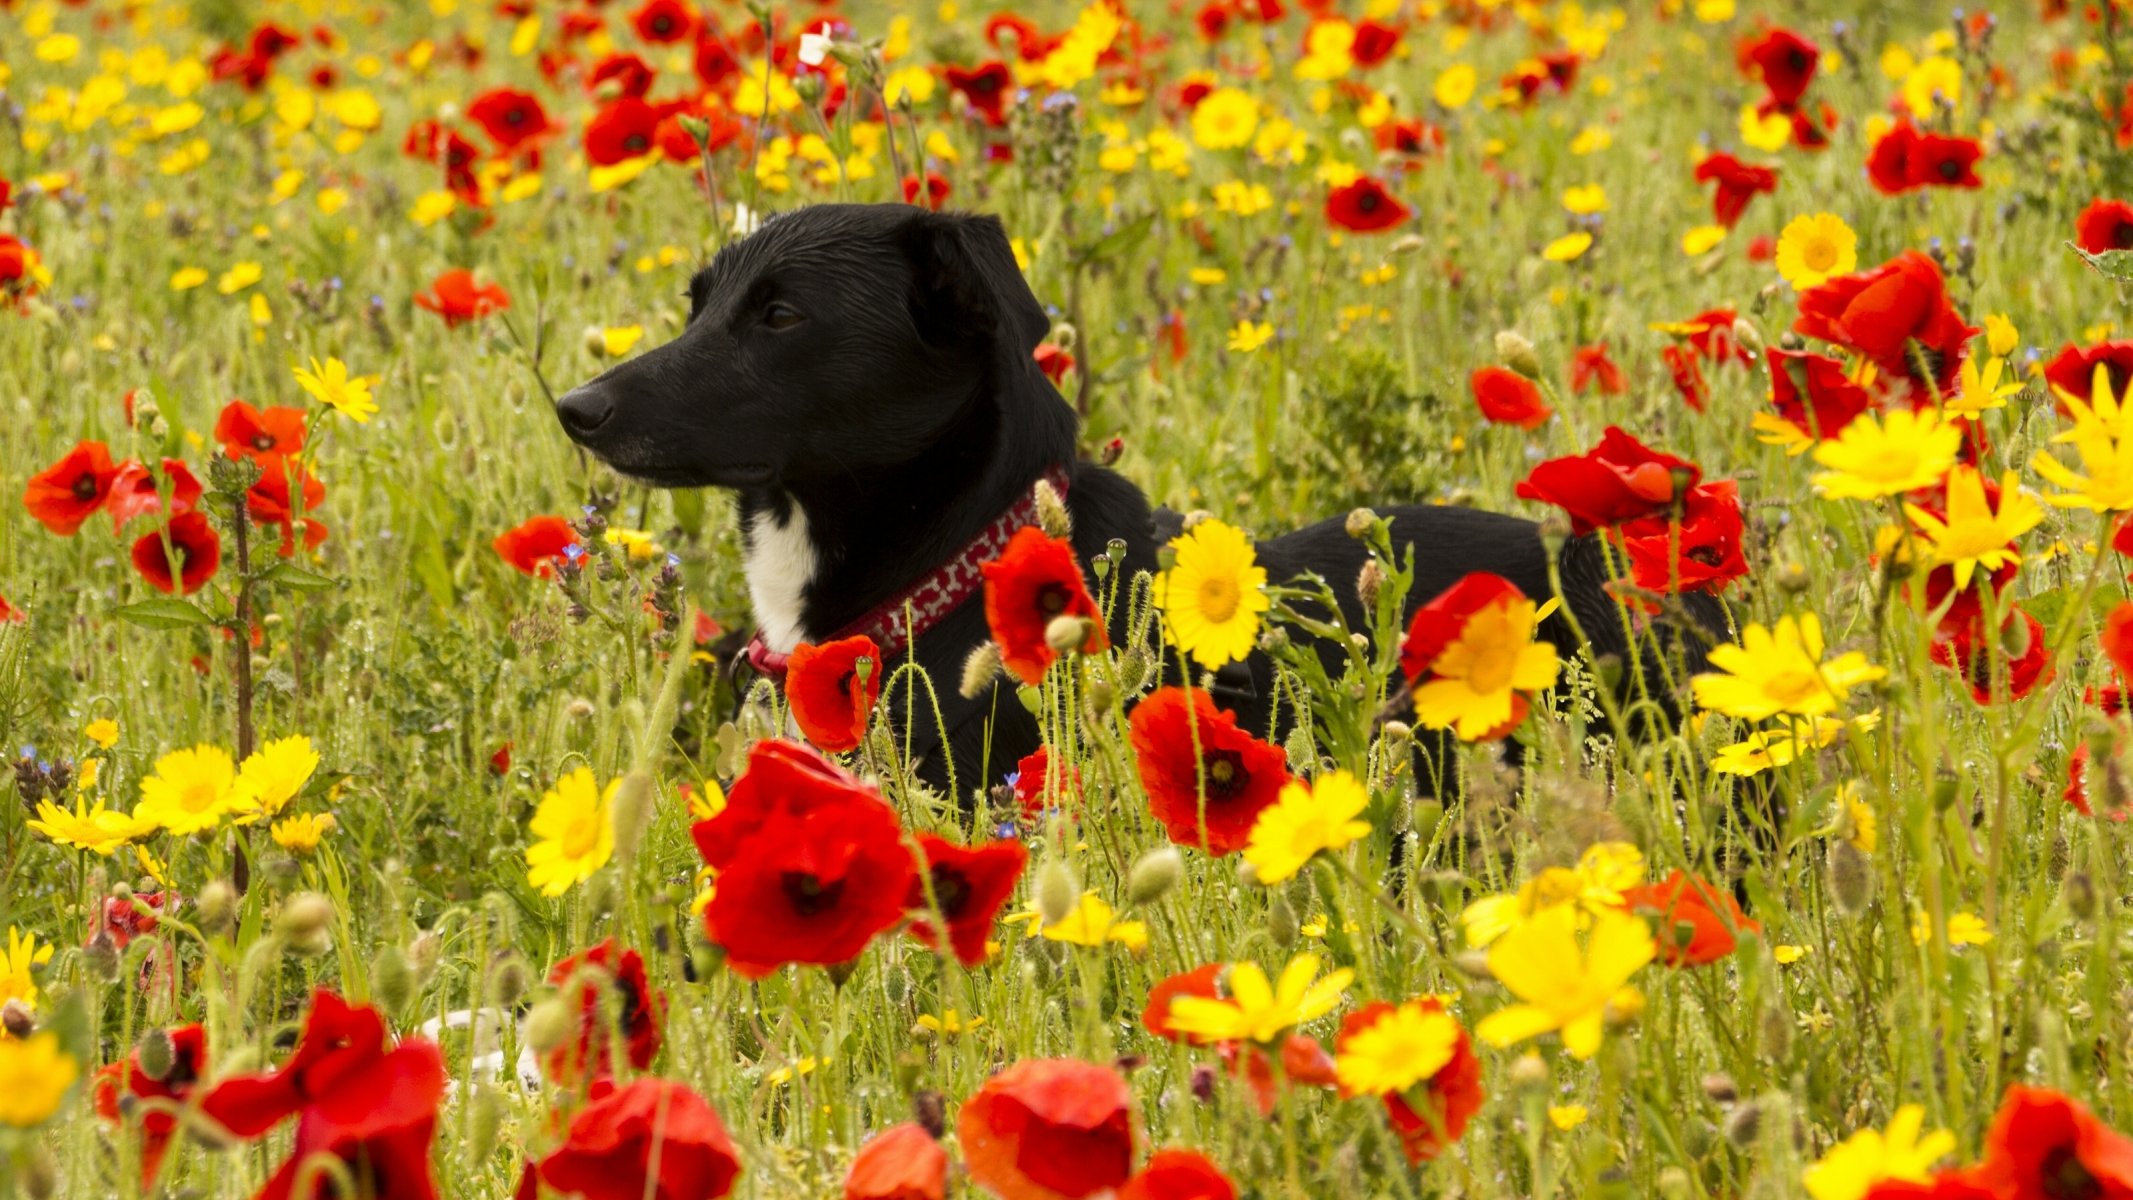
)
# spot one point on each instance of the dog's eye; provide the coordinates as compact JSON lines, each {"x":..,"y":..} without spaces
{"x":781,"y":315}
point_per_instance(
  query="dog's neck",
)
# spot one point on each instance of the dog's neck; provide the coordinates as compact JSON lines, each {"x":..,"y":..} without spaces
{"x":821,"y":553}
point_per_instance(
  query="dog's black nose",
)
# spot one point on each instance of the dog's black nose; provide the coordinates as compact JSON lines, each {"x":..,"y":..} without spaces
{"x":585,"y":409}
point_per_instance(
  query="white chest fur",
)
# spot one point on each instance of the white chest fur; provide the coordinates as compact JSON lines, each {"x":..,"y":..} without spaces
{"x":779,"y":563}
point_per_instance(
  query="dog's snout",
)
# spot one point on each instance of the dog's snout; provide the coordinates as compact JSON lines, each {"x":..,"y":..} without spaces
{"x":584,"y":410}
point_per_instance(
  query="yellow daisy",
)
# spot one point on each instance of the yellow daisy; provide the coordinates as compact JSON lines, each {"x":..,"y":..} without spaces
{"x":1973,"y":536}
{"x":1213,"y":596}
{"x":1260,"y":1011}
{"x":192,"y":791}
{"x":1772,"y":671}
{"x":1869,"y":459}
{"x":576,"y":831}
{"x":330,"y":384}
{"x":1307,"y":819}
{"x":1397,"y":1051}
{"x":1814,"y":248}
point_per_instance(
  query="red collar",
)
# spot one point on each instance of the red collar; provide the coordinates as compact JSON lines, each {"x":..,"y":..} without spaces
{"x":931,"y":598}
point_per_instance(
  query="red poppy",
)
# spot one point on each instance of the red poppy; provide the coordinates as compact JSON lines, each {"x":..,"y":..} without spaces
{"x":1204,"y":982}
{"x":1738,"y":183}
{"x":1048,"y":1129}
{"x":780,"y":777}
{"x":7,"y":195}
{"x":824,"y":870}
{"x":1179,"y":1175}
{"x":629,"y":77}
{"x":653,"y":1139}
{"x":122,"y":920}
{"x":1303,"y":1063}
{"x":122,"y":1088}
{"x":1506,"y":397}
{"x":1035,"y":581}
{"x":533,"y":547}
{"x":1948,"y":1185}
{"x":458,"y":298}
{"x":460,"y":157}
{"x":1786,"y":62}
{"x":1364,"y":206}
{"x":1710,"y":334}
{"x":198,"y":549}
{"x":638,"y":1009}
{"x":1941,"y":160}
{"x":663,"y":22}
{"x":136,"y":492}
{"x":356,"y":1098}
{"x":2045,"y":1146}
{"x":1619,"y":480}
{"x":1012,"y":32}
{"x":1374,"y":43}
{"x":987,"y":86}
{"x":1686,"y":370}
{"x":902,"y":1162}
{"x":1450,"y":1097}
{"x":1056,"y":364}
{"x":1409,"y":136}
{"x":831,"y":698}
{"x":2104,"y":225}
{"x":1815,"y":393}
{"x":10,"y":614}
{"x":1699,"y":553}
{"x":1213,"y":20}
{"x":510,"y":117}
{"x":1697,"y":923}
{"x":1591,"y":368}
{"x":2073,"y":369}
{"x":968,"y":885}
{"x":269,"y":503}
{"x":68,"y":492}
{"x":1029,"y":780}
{"x":260,"y":435}
{"x":1897,"y":314}
{"x":1961,"y":645}
{"x":623,"y":130}
{"x":1242,"y":774}
{"x":16,"y":261}
{"x":1888,"y":162}
{"x":935,"y":188}
{"x":713,"y":59}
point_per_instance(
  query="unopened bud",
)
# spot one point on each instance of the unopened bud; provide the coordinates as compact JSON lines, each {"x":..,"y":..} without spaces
{"x":930,"y":1110}
{"x":304,"y":924}
{"x":1515,"y":351}
{"x":549,"y":1024}
{"x":2080,"y":894}
{"x":1719,"y":1087}
{"x":1747,"y":336}
{"x":507,"y":980}
{"x":698,"y":129}
{"x":1474,"y":964}
{"x":1554,"y":531}
{"x":1052,"y":514}
{"x":38,"y":1174}
{"x":1359,"y":522}
{"x":101,"y":957}
{"x":979,"y":670}
{"x":216,"y":910}
{"x":157,"y":1055}
{"x":1281,"y":926}
{"x":631,"y":812}
{"x":1744,"y":1125}
{"x":1777,"y":1034}
{"x":1851,"y":879}
{"x":1529,"y":1073}
{"x":1368,"y":583}
{"x":1057,"y":893}
{"x":392,"y":981}
{"x":1067,"y":634}
{"x":1793,"y":579}
{"x":1674,"y":1184}
{"x":423,"y":954}
{"x":1153,"y":875}
{"x":484,"y":1124}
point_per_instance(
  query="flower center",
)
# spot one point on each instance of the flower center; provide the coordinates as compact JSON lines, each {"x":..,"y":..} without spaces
{"x":1052,"y":599}
{"x":950,"y":890}
{"x":809,"y":895}
{"x":583,"y":835}
{"x":1218,"y":598}
{"x":1225,"y":774}
{"x":85,"y":486}
{"x":1793,"y":686}
{"x":2065,"y":1178}
{"x":1820,"y":254}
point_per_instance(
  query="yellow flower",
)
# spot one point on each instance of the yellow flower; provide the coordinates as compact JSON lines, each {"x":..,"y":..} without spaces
{"x":1476,"y":681}
{"x":616,"y":340}
{"x":1585,"y":199}
{"x":331,"y":385}
{"x":1972,"y":536}
{"x":103,"y":731}
{"x":1566,"y":1117}
{"x":99,"y":830}
{"x":1225,"y":119}
{"x":432,"y":207}
{"x":1767,"y":748}
{"x":1603,"y":872}
{"x":1307,"y":819}
{"x":1397,"y":1051}
{"x":1207,"y":276}
{"x":35,"y":1075}
{"x":1869,"y":459}
{"x":1781,"y":671}
{"x":1567,"y":248}
{"x":275,"y":772}
{"x":1257,"y":1011}
{"x":1862,"y":828}
{"x":1814,"y":248}
{"x":1250,"y":335}
{"x":1786,"y":955}
{"x":58,"y":48}
{"x":1853,"y":1166}
{"x":2001,"y":336}
{"x":2103,"y":438}
{"x":192,"y":791}
{"x":152,"y":868}
{"x":1455,"y":85}
{"x":184,"y":279}
{"x":949,"y":1023}
{"x":1591,"y":140}
{"x":301,"y":834}
{"x":17,"y":981}
{"x":1702,"y":240}
{"x":1212,"y":596}
{"x":1093,"y":923}
{"x":237,"y":278}
{"x":915,"y":82}
{"x":1979,"y":389}
{"x":1767,"y":132}
{"x":576,"y":832}
{"x":1563,"y":986}
{"x":1930,"y":82}
{"x":1964,"y":929}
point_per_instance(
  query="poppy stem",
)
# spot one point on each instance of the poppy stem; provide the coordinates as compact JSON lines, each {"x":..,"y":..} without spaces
{"x":240,"y":530}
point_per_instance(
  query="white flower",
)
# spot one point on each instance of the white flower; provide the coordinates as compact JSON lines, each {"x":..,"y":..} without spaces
{"x":814,"y":47}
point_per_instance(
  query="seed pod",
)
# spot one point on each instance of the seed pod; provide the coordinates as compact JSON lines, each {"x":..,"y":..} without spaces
{"x":1851,"y":879}
{"x":1153,"y":875}
{"x":1052,"y":514}
{"x":631,"y":812}
{"x":1368,"y":583}
{"x":1057,"y":893}
{"x":979,"y":670}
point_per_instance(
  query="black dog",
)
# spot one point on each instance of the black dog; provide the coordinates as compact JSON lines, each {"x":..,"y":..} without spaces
{"x":863,"y":376}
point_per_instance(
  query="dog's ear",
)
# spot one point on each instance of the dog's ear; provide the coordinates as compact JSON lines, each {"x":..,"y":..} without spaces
{"x":967,"y":286}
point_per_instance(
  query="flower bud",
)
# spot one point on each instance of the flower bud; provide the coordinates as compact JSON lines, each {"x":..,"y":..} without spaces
{"x":484,"y":1123}
{"x":1067,"y":634}
{"x":157,"y":1055}
{"x":1515,"y":351}
{"x":929,"y":1109}
{"x":1529,"y":1073}
{"x":1474,"y":964}
{"x":1747,"y":336}
{"x":17,"y":1019}
{"x":305,"y":923}
{"x":549,"y":1024}
{"x":980,"y":669}
{"x":1359,"y":522}
{"x":1281,"y":925}
{"x":1052,"y":514}
{"x":2080,"y":893}
{"x":1777,"y":1034}
{"x":1744,"y":1125}
{"x":216,"y":909}
{"x":508,"y":979}
{"x":392,"y":981}
{"x":1554,"y":531}
{"x":631,"y":812}
{"x":1851,"y":879}
{"x":101,"y":957}
{"x":38,"y":1174}
{"x":1719,"y":1087}
{"x":1793,"y":579}
{"x":1153,"y":875}
{"x":1368,"y":583}
{"x":1057,"y":893}
{"x":1674,"y":1184}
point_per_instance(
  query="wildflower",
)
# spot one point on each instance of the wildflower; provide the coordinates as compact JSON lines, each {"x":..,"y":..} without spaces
{"x":1179,"y":1175}
{"x":1182,"y":758}
{"x":512,"y":119}
{"x":1470,"y":657}
{"x":330,"y":384}
{"x":124,"y":1089}
{"x":302,"y":834}
{"x":2042,"y":1144}
{"x":455,"y":296}
{"x":1702,"y":240}
{"x":1697,"y":922}
{"x":989,"y":86}
{"x":1454,"y":86}
{"x":103,"y":731}
{"x":2072,"y":371}
{"x":99,"y":830}
{"x":1898,"y":315}
{"x":1224,"y":119}
{"x":902,"y":1162}
{"x":1035,"y":581}
{"x":1507,"y":398}
{"x":1561,"y":985}
{"x":1911,"y":450}
{"x":1786,"y":63}
{"x":1871,"y":1156}
{"x":1972,"y":534}
{"x":1814,"y":248}
{"x":967,"y":886}
{"x":1213,"y":595}
{"x":357,"y":1097}
{"x":1767,"y":748}
{"x":1567,"y":248}
{"x":1015,"y":1130}
{"x":1781,"y":671}
{"x":1963,"y":929}
{"x":1364,"y":206}
{"x":238,"y":277}
{"x":67,"y":493}
{"x":1092,"y":922}
{"x":533,"y":546}
{"x":1591,"y":368}
{"x":608,"y":989}
{"x":1257,"y":1010}
{"x":616,"y":340}
{"x":2102,"y":437}
{"x":1619,"y":480}
{"x":2104,"y":226}
{"x":575,"y":829}
{"x":1604,"y":871}
{"x":266,"y":436}
{"x":18,"y":981}
{"x":137,"y":491}
{"x":648,"y":1138}
{"x":832,"y":689}
{"x":1381,"y":1045}
{"x":1249,"y":335}
{"x":192,"y":791}
{"x":35,"y":1076}
{"x":1308,"y":819}
{"x":1978,"y":391}
{"x":276,"y":772}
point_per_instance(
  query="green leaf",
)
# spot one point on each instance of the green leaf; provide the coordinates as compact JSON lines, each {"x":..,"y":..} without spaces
{"x":168,"y":613}
{"x":296,"y":578}
{"x":2111,"y":264}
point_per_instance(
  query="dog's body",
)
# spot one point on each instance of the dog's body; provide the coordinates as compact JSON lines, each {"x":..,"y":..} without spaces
{"x":863,"y":376}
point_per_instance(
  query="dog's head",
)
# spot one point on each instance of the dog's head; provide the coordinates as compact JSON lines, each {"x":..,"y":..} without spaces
{"x":835,"y":339}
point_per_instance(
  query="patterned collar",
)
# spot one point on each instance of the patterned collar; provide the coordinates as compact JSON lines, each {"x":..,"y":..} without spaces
{"x":931,"y":598}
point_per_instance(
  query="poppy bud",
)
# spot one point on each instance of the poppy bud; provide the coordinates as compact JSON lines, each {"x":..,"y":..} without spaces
{"x":507,"y":980}
{"x":148,"y":416}
{"x":1100,"y":695}
{"x":100,"y":956}
{"x":841,"y":973}
{"x":1529,"y":1073}
{"x":595,"y":341}
{"x":1744,"y":1126}
{"x":1274,"y":640}
{"x":1368,"y":582}
{"x":304,"y":924}
{"x":158,"y":1056}
{"x":1793,"y":579}
{"x":1411,"y":244}
{"x":39,"y":1175}
{"x":1066,"y":634}
{"x":1359,"y":523}
{"x":423,"y":953}
{"x":1515,"y":350}
{"x":216,"y":909}
{"x":392,"y":981}
{"x":1031,"y":699}
{"x":1747,"y":337}
{"x":1281,"y":923}
{"x":1945,"y":791}
{"x":1247,"y":874}
{"x":1153,"y":875}
{"x":1057,"y":892}
{"x":895,"y":985}
{"x":2080,"y":895}
{"x":1851,"y":879}
{"x":17,"y":1019}
{"x":631,"y":812}
{"x":1777,"y":1034}
{"x":549,"y":1024}
{"x":1554,"y":531}
{"x":698,"y":129}
{"x":979,"y":670}
{"x":1052,"y":515}
{"x":485,"y":1122}
{"x":1719,"y":1086}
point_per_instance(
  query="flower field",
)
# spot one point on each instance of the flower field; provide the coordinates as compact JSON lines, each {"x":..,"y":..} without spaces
{"x":394,"y":811}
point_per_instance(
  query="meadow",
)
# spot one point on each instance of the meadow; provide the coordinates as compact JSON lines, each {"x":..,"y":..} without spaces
{"x":390,"y":816}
